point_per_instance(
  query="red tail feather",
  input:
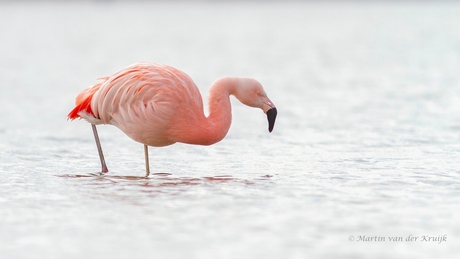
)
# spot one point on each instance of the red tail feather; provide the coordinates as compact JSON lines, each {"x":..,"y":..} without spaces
{"x":83,"y":101}
{"x":85,"y":106}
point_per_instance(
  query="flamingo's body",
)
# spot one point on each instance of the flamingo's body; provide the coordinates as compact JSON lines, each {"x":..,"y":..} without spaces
{"x":158,"y":105}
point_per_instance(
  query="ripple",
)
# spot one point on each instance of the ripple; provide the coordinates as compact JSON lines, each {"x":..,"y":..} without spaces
{"x":155,"y":183}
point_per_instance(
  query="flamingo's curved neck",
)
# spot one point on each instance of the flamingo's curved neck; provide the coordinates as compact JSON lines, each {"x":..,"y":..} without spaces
{"x":220,"y":111}
{"x":209,"y":130}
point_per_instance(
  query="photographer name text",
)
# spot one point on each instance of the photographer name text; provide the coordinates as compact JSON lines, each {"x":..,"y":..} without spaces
{"x":410,"y":238}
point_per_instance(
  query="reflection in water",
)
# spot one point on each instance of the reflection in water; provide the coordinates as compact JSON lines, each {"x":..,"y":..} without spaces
{"x":134,"y":188}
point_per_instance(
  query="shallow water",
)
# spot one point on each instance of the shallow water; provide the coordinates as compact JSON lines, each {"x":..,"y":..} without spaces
{"x":366,"y":145}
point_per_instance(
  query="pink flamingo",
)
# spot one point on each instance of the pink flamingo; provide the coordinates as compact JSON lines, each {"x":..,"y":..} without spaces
{"x":158,"y":105}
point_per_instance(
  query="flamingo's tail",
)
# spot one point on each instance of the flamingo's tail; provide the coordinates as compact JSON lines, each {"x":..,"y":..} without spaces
{"x":81,"y":106}
{"x":83,"y":102}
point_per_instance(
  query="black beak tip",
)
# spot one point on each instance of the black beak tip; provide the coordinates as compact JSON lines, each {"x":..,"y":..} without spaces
{"x":271,"y":116}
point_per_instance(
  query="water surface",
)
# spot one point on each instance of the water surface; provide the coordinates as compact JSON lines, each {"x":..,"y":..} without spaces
{"x":365,"y":149}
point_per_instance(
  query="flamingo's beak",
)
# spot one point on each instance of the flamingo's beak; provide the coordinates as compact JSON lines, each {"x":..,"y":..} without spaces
{"x":269,"y":108}
{"x":271,"y":116}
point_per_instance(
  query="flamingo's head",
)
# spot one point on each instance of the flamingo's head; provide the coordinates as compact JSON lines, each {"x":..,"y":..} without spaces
{"x":251,"y":93}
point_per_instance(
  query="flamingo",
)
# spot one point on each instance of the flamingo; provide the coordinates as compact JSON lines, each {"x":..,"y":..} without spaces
{"x":159,"y":105}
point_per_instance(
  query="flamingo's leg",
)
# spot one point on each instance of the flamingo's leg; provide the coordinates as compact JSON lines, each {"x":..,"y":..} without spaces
{"x":99,"y":149}
{"x":147,"y":165}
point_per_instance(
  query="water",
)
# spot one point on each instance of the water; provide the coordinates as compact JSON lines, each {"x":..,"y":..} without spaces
{"x":366,"y":145}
